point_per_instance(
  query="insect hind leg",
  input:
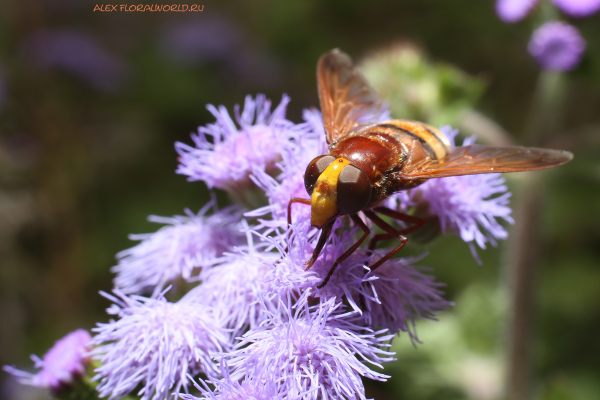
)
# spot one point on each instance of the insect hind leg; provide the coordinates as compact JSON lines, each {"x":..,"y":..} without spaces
{"x":419,"y":222}
{"x":390,"y":233}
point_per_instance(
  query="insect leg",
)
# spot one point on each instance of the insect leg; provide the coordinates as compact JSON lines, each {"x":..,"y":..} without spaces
{"x":378,"y":237}
{"x":348,"y":252}
{"x":419,"y":222}
{"x":289,"y":211}
{"x":325,"y":232}
{"x":295,"y":200}
{"x":396,"y":215}
{"x":390,"y":231}
{"x":289,"y":218}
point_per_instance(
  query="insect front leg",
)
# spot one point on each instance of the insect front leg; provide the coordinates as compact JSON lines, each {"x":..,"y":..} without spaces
{"x":325,"y":232}
{"x":289,"y":208}
{"x":348,"y":252}
{"x":289,"y":218}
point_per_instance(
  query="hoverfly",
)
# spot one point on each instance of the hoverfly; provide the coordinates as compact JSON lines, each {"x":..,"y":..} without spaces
{"x":367,"y":163}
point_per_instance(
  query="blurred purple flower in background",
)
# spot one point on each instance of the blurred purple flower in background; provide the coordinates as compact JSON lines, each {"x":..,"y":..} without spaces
{"x":510,"y":11}
{"x":155,"y":344}
{"x":198,"y":40}
{"x":76,"y":53}
{"x":557,"y":46}
{"x":578,"y":8}
{"x":194,"y":40}
{"x":177,"y":250}
{"x":514,"y":10}
{"x":61,"y":365}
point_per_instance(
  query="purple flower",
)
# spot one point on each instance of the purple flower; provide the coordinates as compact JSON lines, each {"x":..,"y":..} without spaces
{"x":557,"y":46}
{"x":234,"y":287}
{"x":510,"y":11}
{"x":465,"y":204}
{"x":228,"y":389}
{"x":290,"y":182}
{"x":76,"y":53}
{"x":578,"y":8}
{"x":225,"y":156}
{"x":290,"y":279}
{"x":155,"y":344}
{"x":312,"y":352}
{"x":177,"y":250}
{"x":402,"y":293}
{"x":196,"y":41}
{"x":61,"y":365}
{"x":395,"y":294}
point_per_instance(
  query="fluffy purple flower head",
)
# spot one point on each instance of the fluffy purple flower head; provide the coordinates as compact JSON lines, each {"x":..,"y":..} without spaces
{"x":395,"y":294}
{"x":155,"y":344}
{"x":234,"y":287}
{"x":578,"y":8}
{"x":290,"y":279}
{"x":290,"y":182}
{"x":224,"y":155}
{"x":557,"y":46}
{"x":62,"y":364}
{"x":465,"y":204}
{"x":401,"y":294}
{"x":311,"y":353}
{"x":228,"y":389}
{"x":179,"y":249}
{"x":510,"y":11}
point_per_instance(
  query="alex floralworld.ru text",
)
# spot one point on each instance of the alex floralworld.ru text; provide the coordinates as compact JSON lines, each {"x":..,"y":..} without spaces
{"x":148,"y":7}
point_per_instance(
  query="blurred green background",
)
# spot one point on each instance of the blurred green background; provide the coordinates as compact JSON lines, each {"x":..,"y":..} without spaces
{"x":91,"y":104}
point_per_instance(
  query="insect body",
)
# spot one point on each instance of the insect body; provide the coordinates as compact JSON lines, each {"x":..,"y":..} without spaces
{"x":367,"y":163}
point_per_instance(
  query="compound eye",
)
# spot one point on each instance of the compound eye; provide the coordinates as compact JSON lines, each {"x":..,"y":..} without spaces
{"x":314,"y":170}
{"x":353,"y":190}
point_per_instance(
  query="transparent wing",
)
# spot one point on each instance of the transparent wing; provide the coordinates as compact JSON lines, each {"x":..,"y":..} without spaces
{"x":478,"y":159}
{"x":345,"y":95}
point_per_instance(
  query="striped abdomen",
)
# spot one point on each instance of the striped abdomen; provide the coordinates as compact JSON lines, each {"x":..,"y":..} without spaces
{"x":381,"y":151}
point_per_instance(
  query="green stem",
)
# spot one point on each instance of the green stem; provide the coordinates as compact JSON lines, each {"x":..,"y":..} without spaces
{"x":524,"y":247}
{"x":545,"y":115}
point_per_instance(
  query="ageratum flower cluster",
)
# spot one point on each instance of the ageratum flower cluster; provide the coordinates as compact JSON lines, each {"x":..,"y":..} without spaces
{"x":556,"y":45}
{"x":255,"y":323}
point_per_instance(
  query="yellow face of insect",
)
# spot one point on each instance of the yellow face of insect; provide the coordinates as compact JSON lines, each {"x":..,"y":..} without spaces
{"x":323,"y":200}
